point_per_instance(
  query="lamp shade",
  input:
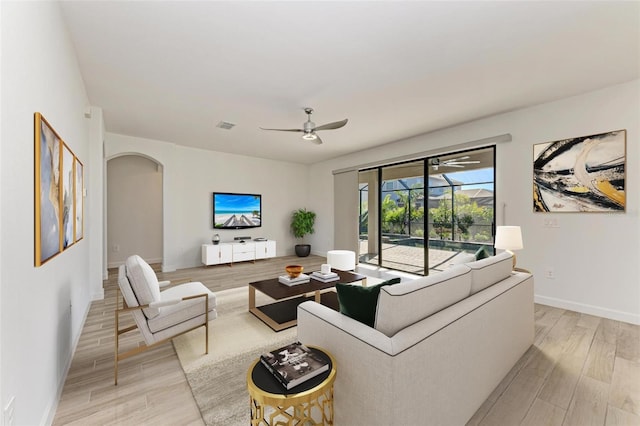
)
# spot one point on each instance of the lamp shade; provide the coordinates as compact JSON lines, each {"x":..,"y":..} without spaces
{"x":508,"y":238}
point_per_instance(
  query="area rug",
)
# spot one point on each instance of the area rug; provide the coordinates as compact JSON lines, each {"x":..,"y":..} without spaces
{"x":236,"y":339}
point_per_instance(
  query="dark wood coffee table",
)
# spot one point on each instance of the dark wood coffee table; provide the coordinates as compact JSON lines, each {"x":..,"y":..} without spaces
{"x":283,"y":313}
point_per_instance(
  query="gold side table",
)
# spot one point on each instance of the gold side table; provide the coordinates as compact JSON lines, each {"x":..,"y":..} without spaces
{"x":309,"y":403}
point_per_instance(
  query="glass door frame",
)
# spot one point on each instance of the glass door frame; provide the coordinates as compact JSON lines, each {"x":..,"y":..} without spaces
{"x":427,"y":165}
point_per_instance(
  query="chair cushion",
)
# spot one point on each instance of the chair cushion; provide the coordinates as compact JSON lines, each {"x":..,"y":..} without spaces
{"x":360,"y":302}
{"x":402,"y":305}
{"x":486,"y":272}
{"x":171,"y":315}
{"x":144,"y":284}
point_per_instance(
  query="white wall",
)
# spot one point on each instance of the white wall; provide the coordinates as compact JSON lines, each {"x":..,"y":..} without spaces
{"x":594,"y":256}
{"x":190,"y":177}
{"x":134,"y":209}
{"x":42,"y":309}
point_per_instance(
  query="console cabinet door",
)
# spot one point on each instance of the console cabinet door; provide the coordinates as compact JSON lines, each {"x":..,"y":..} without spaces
{"x":261,"y":250}
{"x":216,"y":254}
{"x":226,"y":253}
{"x":265,"y":249}
{"x":270,"y":249}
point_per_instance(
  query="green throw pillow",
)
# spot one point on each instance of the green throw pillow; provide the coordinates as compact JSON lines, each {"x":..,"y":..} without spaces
{"x":482,"y":253}
{"x":360,"y":302}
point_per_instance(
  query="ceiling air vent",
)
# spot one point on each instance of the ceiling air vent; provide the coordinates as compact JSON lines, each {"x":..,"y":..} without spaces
{"x":225,"y":125}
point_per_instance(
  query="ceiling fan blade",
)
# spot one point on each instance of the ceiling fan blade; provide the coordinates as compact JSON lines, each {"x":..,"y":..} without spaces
{"x":453,"y":160}
{"x":461,"y":162}
{"x":334,"y":125}
{"x":317,"y":140}
{"x":451,"y":165}
{"x":285,"y":130}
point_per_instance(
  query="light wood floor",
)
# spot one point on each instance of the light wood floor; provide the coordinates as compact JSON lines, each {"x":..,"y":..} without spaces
{"x":581,"y":370}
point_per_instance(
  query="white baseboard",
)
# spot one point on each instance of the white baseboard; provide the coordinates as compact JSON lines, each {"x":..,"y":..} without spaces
{"x":168,"y":268}
{"x":50,"y":413}
{"x":589,"y":309}
{"x":99,"y":295}
{"x":121,"y":262}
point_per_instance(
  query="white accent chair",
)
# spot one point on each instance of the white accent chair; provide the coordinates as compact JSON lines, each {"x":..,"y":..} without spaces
{"x":159,"y":315}
{"x":343,"y":260}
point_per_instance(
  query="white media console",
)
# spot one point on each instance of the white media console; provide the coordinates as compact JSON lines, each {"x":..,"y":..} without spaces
{"x":237,"y":252}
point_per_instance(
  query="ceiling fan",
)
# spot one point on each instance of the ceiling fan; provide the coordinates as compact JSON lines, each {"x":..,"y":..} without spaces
{"x":453,"y":162}
{"x":309,"y":129}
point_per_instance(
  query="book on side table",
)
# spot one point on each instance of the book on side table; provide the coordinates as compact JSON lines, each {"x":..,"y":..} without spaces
{"x":293,"y":364}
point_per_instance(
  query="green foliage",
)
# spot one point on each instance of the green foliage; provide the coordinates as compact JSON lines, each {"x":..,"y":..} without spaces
{"x":302,"y":221}
{"x":482,"y":237}
{"x":397,"y":215}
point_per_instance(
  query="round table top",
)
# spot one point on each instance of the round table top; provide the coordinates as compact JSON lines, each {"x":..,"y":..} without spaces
{"x":264,"y":381}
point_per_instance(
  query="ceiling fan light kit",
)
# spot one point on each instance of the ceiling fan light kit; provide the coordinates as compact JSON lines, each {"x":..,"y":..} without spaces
{"x":309,"y":128}
{"x":309,"y":136}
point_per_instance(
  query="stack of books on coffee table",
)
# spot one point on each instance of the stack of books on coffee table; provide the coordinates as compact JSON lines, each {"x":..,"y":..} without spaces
{"x":287,"y":280}
{"x":325,"y":278}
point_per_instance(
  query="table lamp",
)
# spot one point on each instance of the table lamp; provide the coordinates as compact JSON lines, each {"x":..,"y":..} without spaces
{"x":509,"y":238}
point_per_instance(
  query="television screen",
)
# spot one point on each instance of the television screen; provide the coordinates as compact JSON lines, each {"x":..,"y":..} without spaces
{"x":236,"y":211}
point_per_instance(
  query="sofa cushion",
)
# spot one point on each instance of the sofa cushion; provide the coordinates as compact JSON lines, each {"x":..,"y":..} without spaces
{"x":402,"y":305}
{"x":486,"y":272}
{"x":360,"y":302}
{"x":144,"y":284}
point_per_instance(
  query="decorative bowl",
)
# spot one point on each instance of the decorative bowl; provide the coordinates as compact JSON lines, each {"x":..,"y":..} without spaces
{"x":294,"y":270}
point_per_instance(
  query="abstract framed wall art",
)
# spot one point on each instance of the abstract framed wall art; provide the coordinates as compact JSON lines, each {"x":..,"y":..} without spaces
{"x":581,"y":174}
{"x":59,"y":206}
{"x":67,"y":196}
{"x":79,"y":204}
{"x":47,"y":191}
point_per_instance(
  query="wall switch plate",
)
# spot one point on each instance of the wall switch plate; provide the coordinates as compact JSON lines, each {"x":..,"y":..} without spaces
{"x":551,"y":223}
{"x":549,"y":273}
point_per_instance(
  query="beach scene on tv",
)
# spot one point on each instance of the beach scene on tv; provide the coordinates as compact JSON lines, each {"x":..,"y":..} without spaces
{"x":236,"y":210}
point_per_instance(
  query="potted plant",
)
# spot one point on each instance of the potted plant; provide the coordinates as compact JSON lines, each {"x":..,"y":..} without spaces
{"x":302,"y":221}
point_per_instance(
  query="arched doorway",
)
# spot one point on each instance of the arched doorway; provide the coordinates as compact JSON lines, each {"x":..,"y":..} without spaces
{"x":134,"y":209}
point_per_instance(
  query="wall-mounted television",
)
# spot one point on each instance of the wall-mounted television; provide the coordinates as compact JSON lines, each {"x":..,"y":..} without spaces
{"x":236,"y":211}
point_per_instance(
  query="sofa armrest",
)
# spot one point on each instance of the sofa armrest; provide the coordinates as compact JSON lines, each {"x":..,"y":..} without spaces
{"x":167,"y":283}
{"x":363,"y":360}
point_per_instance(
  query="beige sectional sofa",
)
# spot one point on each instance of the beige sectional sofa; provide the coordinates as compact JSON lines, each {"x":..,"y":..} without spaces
{"x":439,"y":346}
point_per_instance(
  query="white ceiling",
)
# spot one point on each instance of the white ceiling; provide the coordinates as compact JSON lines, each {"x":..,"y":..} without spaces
{"x":172,"y":70}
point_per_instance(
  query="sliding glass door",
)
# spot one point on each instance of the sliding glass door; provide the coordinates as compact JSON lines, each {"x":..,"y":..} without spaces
{"x":418,"y":225}
{"x":402,"y":217}
{"x":461,"y":205}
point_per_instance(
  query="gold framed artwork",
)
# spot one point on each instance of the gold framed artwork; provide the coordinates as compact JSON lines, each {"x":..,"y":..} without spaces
{"x":78,"y":228}
{"x":581,"y":174}
{"x":58,"y":193}
{"x":67,"y":196}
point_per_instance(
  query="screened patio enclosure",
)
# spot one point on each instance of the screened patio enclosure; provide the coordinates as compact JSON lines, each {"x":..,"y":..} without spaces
{"x":413,"y":224}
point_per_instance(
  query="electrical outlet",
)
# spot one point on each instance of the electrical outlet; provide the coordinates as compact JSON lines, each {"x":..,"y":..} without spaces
{"x":8,"y":414}
{"x":549,"y":273}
